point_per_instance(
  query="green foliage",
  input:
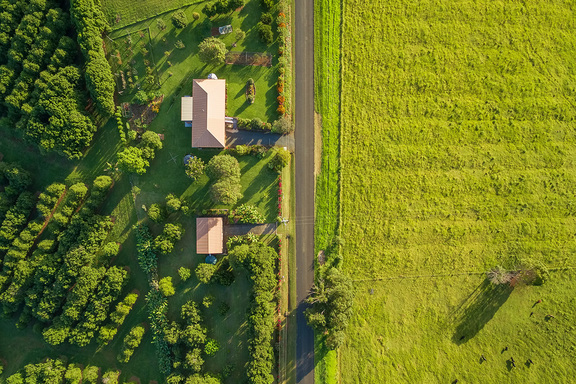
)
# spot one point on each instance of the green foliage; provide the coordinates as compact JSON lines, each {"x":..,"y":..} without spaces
{"x":166,"y":287}
{"x":225,"y":171}
{"x":145,"y":252}
{"x":89,"y":22}
{"x":224,"y":275}
{"x":248,"y":214}
{"x":259,"y":260}
{"x":204,"y":272}
{"x":173,"y":203}
{"x":195,"y":168}
{"x":211,"y":347}
{"x":280,"y":160}
{"x":160,"y":24}
{"x":223,"y":166}
{"x":212,"y":51}
{"x":179,"y":19}
{"x":110,"y":377}
{"x":207,"y":301}
{"x":265,"y":33}
{"x":131,"y":342}
{"x":141,"y":97}
{"x":164,"y":243}
{"x":184,"y":273}
{"x":156,"y":213}
{"x":117,"y":318}
{"x":266,"y":18}
{"x":267,"y":4}
{"x":331,"y":307}
{"x":131,"y":160}
{"x":283,"y":126}
{"x":226,"y":191}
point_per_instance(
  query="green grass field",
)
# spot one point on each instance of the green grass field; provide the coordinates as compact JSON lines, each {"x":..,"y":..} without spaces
{"x":120,"y":13}
{"x":458,"y":126}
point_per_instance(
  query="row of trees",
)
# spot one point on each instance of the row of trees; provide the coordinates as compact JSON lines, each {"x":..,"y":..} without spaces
{"x":220,"y":7}
{"x":42,"y":91}
{"x":56,"y":371}
{"x":156,"y":303}
{"x":123,"y":308}
{"x":131,"y":342}
{"x":90,"y":23}
{"x":259,"y":260}
{"x":331,"y":306}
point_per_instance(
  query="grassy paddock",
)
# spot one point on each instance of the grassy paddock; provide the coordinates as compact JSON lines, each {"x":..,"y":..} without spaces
{"x":121,"y":13}
{"x":458,"y":154}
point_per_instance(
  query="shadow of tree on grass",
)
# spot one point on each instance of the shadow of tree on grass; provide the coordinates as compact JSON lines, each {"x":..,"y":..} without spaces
{"x":478,"y":309}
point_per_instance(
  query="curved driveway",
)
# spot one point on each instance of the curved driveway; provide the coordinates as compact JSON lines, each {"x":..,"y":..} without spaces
{"x":304,"y":158}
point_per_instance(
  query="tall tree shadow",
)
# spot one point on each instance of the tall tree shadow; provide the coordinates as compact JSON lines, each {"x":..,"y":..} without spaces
{"x":478,"y":309}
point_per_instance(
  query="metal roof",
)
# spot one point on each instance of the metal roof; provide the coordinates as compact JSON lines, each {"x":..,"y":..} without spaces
{"x":208,"y":128}
{"x":209,"y":235}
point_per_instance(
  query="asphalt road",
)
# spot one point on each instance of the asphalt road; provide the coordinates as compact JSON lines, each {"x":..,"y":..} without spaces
{"x":304,"y":158}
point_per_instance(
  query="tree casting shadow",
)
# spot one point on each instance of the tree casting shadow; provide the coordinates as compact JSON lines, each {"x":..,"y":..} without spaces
{"x":479,"y":309}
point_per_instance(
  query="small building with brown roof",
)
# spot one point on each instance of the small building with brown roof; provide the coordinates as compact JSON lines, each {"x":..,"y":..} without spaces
{"x":209,"y":235}
{"x":206,"y":110}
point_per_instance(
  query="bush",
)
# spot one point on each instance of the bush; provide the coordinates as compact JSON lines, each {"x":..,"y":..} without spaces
{"x":224,"y":274}
{"x":266,"y":18}
{"x":156,"y":213}
{"x":267,"y":4}
{"x":241,"y":150}
{"x":184,"y":273}
{"x":211,"y":347}
{"x":179,"y":19}
{"x":226,"y":191}
{"x":265,"y":33}
{"x":223,"y":166}
{"x":207,"y":301}
{"x":212,"y":51}
{"x":141,"y":97}
{"x":173,"y":204}
{"x":195,"y":15}
{"x":179,"y":45}
{"x":166,"y":287}
{"x":281,"y":159}
{"x":283,"y":126}
{"x":248,"y":214}
{"x":204,"y":272}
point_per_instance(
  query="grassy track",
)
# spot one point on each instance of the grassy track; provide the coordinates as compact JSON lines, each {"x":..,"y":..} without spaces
{"x":458,"y":124}
{"x":327,"y":34}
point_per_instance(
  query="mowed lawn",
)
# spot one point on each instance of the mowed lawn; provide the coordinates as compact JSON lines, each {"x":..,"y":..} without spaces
{"x":458,"y":124}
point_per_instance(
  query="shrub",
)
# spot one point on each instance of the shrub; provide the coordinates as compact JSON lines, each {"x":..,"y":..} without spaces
{"x":283,"y":126}
{"x":256,"y":123}
{"x":173,"y":203}
{"x":267,"y":4}
{"x":265,"y":33}
{"x":266,"y":18}
{"x":226,"y":191}
{"x":248,"y":214}
{"x":223,"y":166}
{"x":195,"y":15}
{"x":212,"y":51}
{"x":195,"y":168}
{"x":179,"y":19}
{"x":179,"y":45}
{"x":211,"y":347}
{"x":165,"y":286}
{"x":241,"y":150}
{"x":207,"y":301}
{"x":281,"y":159}
{"x":156,"y":213}
{"x":161,"y":24}
{"x":184,"y":273}
{"x":224,"y":274}
{"x":141,"y":97}
{"x":281,"y":110}
{"x":204,"y":272}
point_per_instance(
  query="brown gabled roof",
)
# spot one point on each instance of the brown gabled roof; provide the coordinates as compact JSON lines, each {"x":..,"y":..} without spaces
{"x":209,"y":235}
{"x":208,"y":128}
